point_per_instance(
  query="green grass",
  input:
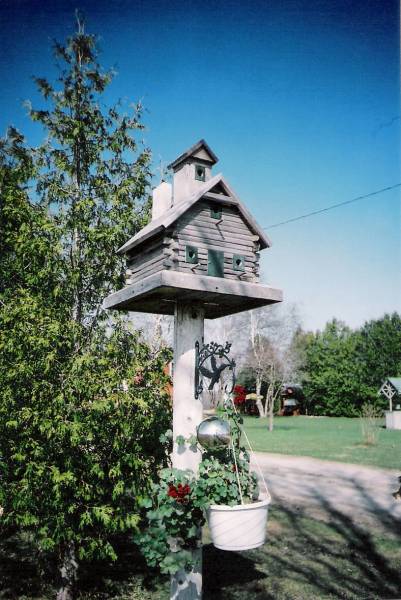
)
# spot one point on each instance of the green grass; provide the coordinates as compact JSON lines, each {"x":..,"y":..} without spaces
{"x":329,"y":438}
{"x":303,"y":559}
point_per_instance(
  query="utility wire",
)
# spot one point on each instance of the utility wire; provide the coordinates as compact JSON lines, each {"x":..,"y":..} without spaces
{"x":322,"y":210}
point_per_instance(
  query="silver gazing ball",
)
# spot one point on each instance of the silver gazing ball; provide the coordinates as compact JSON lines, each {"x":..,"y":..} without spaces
{"x":214,"y":433}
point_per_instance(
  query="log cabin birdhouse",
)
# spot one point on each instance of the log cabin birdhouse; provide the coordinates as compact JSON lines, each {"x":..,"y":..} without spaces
{"x":201,"y":246}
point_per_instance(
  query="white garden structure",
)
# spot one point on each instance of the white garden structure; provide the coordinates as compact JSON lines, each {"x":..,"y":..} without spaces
{"x":391,"y":389}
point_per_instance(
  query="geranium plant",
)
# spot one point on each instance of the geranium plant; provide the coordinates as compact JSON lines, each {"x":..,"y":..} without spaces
{"x":173,"y":516}
{"x":175,"y":509}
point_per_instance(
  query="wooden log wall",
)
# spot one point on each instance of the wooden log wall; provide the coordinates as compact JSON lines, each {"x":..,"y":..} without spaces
{"x":230,"y":235}
{"x":150,"y":259}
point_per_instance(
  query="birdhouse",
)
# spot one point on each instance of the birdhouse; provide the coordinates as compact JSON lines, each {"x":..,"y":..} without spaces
{"x":202,"y":246}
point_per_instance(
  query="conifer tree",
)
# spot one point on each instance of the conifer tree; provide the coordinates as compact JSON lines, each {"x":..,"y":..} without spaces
{"x":79,"y":428}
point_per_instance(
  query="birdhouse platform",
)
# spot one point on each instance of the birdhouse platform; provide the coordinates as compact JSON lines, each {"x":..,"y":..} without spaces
{"x":201,"y":246}
{"x":160,"y":292}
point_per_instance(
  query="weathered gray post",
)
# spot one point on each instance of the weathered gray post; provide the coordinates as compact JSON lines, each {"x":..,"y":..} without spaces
{"x":198,"y":258}
{"x":187,"y":411}
{"x":187,"y":414}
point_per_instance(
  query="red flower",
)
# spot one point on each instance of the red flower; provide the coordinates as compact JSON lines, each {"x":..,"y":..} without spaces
{"x":172,"y":492}
{"x":180,"y":492}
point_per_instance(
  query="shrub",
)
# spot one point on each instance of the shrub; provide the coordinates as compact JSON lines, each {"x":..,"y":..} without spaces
{"x":370,"y":415}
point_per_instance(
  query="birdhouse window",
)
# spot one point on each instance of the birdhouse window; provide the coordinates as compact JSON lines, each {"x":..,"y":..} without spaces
{"x":200,"y":172}
{"x":191,"y":255}
{"x":238,"y":262}
{"x":215,"y":263}
{"x":215,"y":212}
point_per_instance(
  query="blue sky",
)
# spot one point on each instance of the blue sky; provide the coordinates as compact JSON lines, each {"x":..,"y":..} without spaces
{"x":299,"y":99}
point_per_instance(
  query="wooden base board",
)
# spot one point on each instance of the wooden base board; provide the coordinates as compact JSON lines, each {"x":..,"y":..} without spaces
{"x":160,"y":292}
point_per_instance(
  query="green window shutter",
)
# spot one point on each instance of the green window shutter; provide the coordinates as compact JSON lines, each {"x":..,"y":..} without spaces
{"x":215,"y":212}
{"x":191,"y":255}
{"x":200,"y":172}
{"x":238,"y":262}
{"x":215,"y":263}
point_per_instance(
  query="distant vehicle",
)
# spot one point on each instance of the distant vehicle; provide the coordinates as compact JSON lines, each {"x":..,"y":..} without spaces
{"x":291,"y":398}
{"x":290,"y":408}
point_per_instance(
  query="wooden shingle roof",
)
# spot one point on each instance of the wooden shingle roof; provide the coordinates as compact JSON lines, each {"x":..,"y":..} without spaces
{"x":395,"y":382}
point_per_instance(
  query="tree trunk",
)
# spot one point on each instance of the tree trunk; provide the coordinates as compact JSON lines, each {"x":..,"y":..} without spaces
{"x":269,"y":405}
{"x":68,"y":572}
{"x":271,"y":413}
{"x":261,"y":408}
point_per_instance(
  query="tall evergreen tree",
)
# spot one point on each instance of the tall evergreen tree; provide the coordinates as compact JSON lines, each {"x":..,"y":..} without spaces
{"x":93,"y":174}
{"x":343,"y":369}
{"x":379,"y":351}
{"x":79,"y":428}
{"x":331,"y":375}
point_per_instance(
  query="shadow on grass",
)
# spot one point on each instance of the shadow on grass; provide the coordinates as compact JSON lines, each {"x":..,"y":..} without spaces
{"x":349,"y":559}
{"x":339,"y":559}
{"x":24,"y":574}
{"x":308,"y":559}
{"x":225,"y":572}
{"x":303,"y":559}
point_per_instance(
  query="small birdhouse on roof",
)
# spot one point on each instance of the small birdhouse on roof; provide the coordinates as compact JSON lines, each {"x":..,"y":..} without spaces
{"x":201,"y":246}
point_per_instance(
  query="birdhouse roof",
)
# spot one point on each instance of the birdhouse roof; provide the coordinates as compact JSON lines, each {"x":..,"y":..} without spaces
{"x":216,"y":189}
{"x":201,"y":150}
{"x":395,"y":382}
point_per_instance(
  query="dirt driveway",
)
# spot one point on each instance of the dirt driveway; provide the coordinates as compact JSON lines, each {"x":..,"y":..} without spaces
{"x":324,"y":488}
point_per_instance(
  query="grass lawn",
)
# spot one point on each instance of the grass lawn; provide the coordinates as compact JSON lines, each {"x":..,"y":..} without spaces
{"x":303,"y":559}
{"x":330,"y":438}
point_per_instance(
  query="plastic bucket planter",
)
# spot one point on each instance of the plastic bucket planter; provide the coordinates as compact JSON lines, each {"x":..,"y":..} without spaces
{"x":240,"y":527}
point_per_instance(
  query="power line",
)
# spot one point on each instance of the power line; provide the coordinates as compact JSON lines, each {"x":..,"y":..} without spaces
{"x":322,"y":210}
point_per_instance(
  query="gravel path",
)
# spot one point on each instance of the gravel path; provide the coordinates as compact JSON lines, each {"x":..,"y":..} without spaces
{"x":325,"y":488}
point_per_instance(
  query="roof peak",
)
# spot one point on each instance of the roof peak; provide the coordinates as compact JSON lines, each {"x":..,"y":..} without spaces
{"x":172,"y":214}
{"x":210,"y":156}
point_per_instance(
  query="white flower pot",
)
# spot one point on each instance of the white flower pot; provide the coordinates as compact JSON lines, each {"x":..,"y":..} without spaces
{"x":240,"y":527}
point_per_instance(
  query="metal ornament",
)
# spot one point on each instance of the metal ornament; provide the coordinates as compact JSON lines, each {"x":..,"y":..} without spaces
{"x":214,"y":433}
{"x":211,"y":352}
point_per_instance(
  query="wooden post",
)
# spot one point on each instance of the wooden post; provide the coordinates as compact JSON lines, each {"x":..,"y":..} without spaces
{"x":389,"y":392}
{"x":187,"y":414}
